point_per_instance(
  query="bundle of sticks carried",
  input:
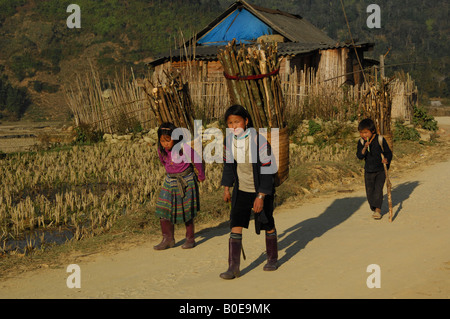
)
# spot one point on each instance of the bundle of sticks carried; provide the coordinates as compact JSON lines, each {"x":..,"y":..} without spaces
{"x":253,"y":81}
{"x":171,"y":102}
{"x":377,"y":105}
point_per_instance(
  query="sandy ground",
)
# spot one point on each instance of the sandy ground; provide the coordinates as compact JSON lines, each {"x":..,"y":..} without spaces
{"x":325,"y":249}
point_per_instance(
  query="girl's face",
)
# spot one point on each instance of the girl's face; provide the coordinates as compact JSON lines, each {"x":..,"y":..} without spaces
{"x":365,"y":134}
{"x":166,"y":142}
{"x":237,"y":124}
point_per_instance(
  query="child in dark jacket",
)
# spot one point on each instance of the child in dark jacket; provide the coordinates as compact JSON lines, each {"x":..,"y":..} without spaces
{"x":253,"y":186}
{"x":370,"y":148}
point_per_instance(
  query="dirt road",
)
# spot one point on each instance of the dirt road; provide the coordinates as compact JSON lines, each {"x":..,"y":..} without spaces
{"x":325,"y":249}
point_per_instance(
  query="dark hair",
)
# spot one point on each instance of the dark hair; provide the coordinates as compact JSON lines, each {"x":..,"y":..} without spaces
{"x":367,"y":124}
{"x":166,"y":129}
{"x":240,"y":111}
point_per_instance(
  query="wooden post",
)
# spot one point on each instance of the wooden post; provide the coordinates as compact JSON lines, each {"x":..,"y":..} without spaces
{"x":388,"y":188}
{"x":382,"y":66}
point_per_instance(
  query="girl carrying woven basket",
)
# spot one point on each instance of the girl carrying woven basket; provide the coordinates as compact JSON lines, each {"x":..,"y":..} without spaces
{"x":253,"y":187}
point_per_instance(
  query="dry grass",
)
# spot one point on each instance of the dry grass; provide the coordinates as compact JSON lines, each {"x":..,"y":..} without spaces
{"x":85,"y":189}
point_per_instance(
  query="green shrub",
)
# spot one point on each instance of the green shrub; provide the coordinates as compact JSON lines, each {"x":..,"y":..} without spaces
{"x":314,"y":127}
{"x":25,"y":66}
{"x":424,"y":120}
{"x":293,"y":122}
{"x":85,"y":134}
{"x":124,"y":124}
{"x":13,"y":100}
{"x":402,"y":132}
{"x":8,"y":8}
{"x":39,"y":86}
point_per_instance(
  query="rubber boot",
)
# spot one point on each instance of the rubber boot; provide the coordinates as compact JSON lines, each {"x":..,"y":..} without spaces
{"x":190,"y":235}
{"x":234,"y":259}
{"x":167,"y":229}
{"x":272,"y":252}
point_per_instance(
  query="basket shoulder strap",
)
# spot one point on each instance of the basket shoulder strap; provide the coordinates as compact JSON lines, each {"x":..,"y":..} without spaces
{"x":362,"y":141}
{"x":380,"y":141}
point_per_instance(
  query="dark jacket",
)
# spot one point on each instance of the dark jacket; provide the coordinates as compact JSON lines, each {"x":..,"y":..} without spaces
{"x":373,"y":155}
{"x":264,"y":183}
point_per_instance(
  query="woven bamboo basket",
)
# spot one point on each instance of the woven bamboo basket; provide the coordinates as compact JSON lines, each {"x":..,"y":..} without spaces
{"x":280,"y":148}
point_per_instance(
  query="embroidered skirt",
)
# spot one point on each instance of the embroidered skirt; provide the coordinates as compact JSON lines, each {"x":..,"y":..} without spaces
{"x":172,"y":206}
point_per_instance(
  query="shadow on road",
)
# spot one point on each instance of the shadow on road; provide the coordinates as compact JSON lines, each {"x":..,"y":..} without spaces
{"x":209,"y":233}
{"x":400,"y":193}
{"x":295,"y":238}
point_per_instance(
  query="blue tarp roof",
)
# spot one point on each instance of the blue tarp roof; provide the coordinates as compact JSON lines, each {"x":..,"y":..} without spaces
{"x":240,"y":25}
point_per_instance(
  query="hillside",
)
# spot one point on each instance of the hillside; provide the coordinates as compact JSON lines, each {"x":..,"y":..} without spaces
{"x":39,"y":54}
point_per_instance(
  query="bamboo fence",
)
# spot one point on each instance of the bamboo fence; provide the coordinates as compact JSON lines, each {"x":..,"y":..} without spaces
{"x":305,"y":96}
{"x":116,"y":110}
{"x":308,"y":97}
{"x":405,"y":95}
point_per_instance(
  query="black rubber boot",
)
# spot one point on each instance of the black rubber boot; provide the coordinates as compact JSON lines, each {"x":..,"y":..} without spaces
{"x":234,"y":259}
{"x":272,"y":252}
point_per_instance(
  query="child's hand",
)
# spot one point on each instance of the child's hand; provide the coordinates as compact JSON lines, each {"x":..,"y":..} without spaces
{"x":226,"y":195}
{"x":258,"y":205}
{"x":367,"y":145}
{"x":368,"y":142}
{"x":384,"y":161}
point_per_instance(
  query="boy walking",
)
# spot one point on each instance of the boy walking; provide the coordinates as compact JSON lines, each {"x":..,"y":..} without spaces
{"x":370,"y":147}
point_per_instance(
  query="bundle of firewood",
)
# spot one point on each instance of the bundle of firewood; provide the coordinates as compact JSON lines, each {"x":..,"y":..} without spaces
{"x":377,"y":105}
{"x":253,"y":81}
{"x":171,"y":102}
